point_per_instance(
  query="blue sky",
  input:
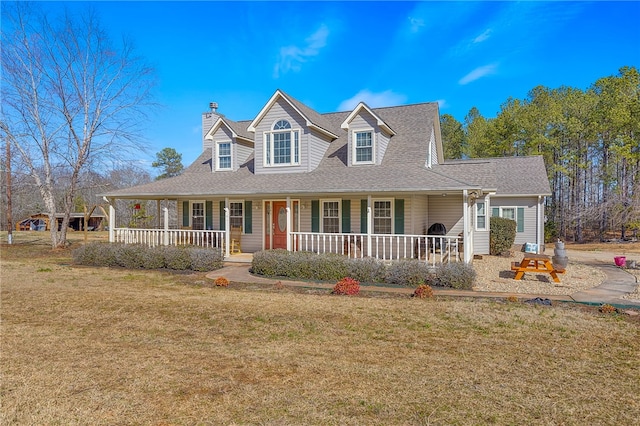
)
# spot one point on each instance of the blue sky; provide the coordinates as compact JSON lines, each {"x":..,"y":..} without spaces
{"x":331,"y":55}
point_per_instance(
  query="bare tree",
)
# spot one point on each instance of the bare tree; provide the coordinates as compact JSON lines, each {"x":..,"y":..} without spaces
{"x":71,"y":99}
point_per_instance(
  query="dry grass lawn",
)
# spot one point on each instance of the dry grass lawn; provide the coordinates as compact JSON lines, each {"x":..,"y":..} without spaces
{"x":110,"y":346}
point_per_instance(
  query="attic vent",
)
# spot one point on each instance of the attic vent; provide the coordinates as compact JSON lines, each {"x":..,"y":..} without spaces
{"x":213,"y":106}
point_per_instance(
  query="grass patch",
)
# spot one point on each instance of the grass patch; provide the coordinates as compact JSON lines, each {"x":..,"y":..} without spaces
{"x":107,"y":346}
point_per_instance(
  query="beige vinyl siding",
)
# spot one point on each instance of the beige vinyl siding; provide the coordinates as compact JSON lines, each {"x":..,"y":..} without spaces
{"x":530,"y":211}
{"x":243,"y":151}
{"x":281,"y":110}
{"x":365,"y":121}
{"x":317,"y":146}
{"x":223,"y":134}
{"x":481,"y":238}
{"x":448,"y":211}
{"x":433,"y":150}
{"x":419,"y":206}
{"x":252,"y":242}
{"x":208,"y":120}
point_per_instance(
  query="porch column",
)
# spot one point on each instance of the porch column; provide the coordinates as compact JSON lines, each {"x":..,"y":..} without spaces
{"x":112,"y":222}
{"x":466,"y":227}
{"x":166,"y":227}
{"x":369,"y":225}
{"x":158,"y":214}
{"x":289,"y":224}
{"x":227,"y":228}
{"x":540,"y":224}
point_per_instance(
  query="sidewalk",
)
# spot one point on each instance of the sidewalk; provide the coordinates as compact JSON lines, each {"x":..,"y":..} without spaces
{"x":617,"y":283}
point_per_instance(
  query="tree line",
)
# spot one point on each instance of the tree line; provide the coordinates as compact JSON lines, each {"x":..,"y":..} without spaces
{"x":590,"y":143}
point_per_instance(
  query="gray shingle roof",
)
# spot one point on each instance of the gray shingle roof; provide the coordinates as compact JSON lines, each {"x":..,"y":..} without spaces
{"x":402,"y":168}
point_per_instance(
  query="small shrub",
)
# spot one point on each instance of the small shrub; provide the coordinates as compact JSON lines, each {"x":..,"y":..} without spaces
{"x":96,"y":254}
{"x":512,"y":299}
{"x":411,"y":272}
{"x":456,"y":275}
{"x":130,"y":256}
{"x":221,"y":282}
{"x":608,"y":309}
{"x":502,"y":235}
{"x":347,"y":286}
{"x":423,"y":291}
{"x":328,"y":266}
{"x":154,"y":258}
{"x":204,"y":260}
{"x":368,"y":270}
{"x":177,"y":258}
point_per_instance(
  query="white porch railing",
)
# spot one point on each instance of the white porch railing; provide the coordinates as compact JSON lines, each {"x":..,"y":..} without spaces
{"x":431,"y":248}
{"x":173,"y":237}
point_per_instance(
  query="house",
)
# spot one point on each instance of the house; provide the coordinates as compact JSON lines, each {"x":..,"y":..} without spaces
{"x":366,"y":182}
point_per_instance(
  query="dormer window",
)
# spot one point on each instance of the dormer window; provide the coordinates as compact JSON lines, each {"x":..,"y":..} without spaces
{"x":223,"y":155}
{"x":282,"y":145}
{"x":363,"y":147}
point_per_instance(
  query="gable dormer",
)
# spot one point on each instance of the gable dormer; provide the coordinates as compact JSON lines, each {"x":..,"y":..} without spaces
{"x":230,"y":146}
{"x":367,"y":136}
{"x":289,"y":136}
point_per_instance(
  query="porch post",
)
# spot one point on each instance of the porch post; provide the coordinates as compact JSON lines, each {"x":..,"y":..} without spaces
{"x":227,"y":228}
{"x":289,"y":224}
{"x":540,"y":224}
{"x":465,"y":231}
{"x":369,"y":225}
{"x":158,"y":214}
{"x":112,"y":222}
{"x":166,"y":226}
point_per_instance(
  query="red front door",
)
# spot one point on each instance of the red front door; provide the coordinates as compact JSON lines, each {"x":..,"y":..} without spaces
{"x":279,"y":224}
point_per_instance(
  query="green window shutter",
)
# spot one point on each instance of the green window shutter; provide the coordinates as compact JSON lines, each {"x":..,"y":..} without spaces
{"x":399,"y":216}
{"x":495,"y":212}
{"x":315,"y":215}
{"x":363,"y":216}
{"x":346,"y":216}
{"x":222,"y":215}
{"x":208,"y":211}
{"x":248,"y":217}
{"x":520,"y":217}
{"x":185,"y":213}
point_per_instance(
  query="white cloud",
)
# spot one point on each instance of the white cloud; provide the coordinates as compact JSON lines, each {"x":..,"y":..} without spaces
{"x":478,"y":73}
{"x":415,"y":24}
{"x":483,"y":37}
{"x":442,"y":103}
{"x":292,"y":57}
{"x":374,"y":100}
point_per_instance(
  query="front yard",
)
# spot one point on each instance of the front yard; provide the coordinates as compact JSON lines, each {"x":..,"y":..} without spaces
{"x":87,"y":345}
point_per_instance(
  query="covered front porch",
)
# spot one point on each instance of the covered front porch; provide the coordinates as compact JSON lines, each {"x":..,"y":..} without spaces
{"x":313,"y":224}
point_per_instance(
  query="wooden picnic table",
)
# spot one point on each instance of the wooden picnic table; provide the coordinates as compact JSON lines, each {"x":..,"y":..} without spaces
{"x":536,"y":263}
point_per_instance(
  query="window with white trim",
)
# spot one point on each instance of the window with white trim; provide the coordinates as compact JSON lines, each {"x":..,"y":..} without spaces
{"x":282,"y":145}
{"x":514,"y":213}
{"x":236,"y":217}
{"x":330,"y":216}
{"x":197,"y":215}
{"x":363,"y":147}
{"x":481,"y":216}
{"x":223,"y":155}
{"x":382,"y":217}
{"x":508,"y":213}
